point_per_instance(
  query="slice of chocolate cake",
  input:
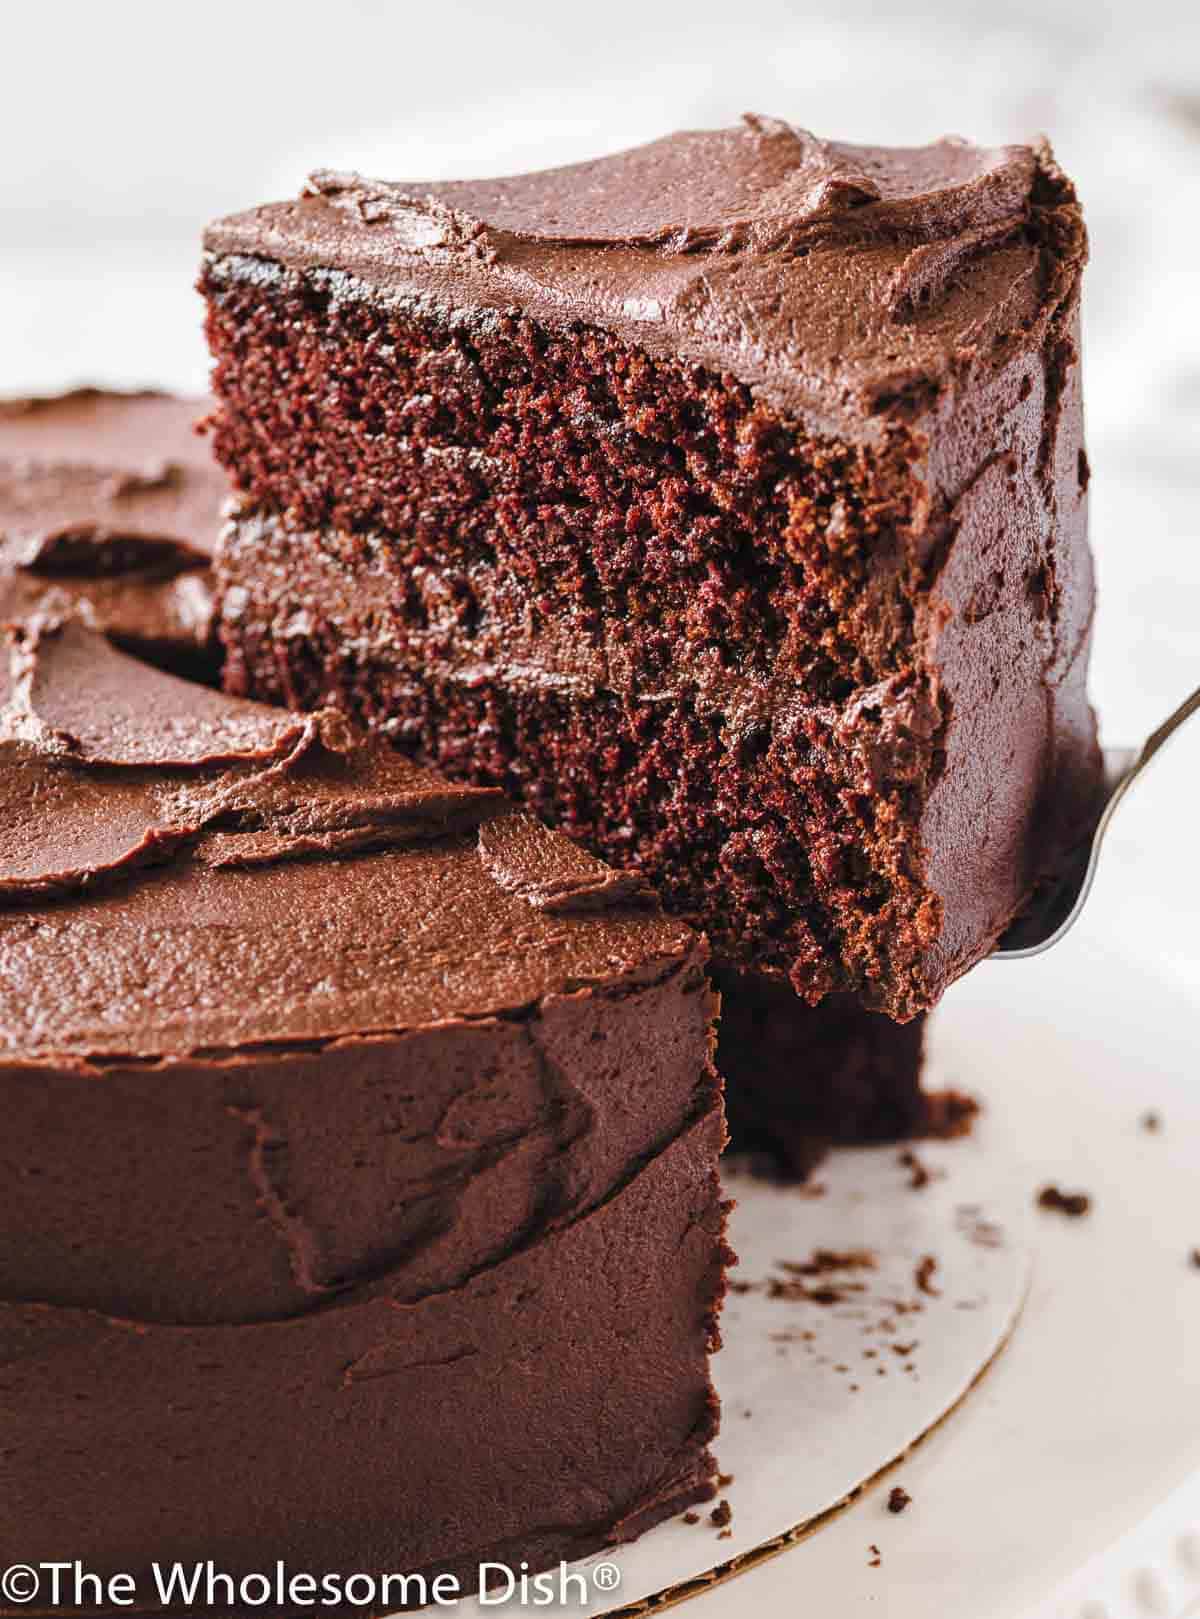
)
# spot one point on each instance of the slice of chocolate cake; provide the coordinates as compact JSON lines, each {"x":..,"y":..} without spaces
{"x":360,"y":1204}
{"x":724,"y":500}
{"x":110,"y":507}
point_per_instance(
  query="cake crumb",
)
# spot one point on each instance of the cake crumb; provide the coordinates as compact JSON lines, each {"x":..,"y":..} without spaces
{"x":827,"y":1261}
{"x":924,"y":1275}
{"x":691,"y":1517}
{"x":724,"y":1480}
{"x":984,"y":1233}
{"x":898,"y":1499}
{"x":827,"y":1268}
{"x":1073,"y":1204}
{"x":876,"y":1557}
{"x":796,"y":1291}
{"x":1194,"y":1259}
{"x":949,"y":1115}
{"x":721,"y":1515}
{"x":919,"y":1177}
{"x":726,"y":1534}
{"x":1152,"y":1122}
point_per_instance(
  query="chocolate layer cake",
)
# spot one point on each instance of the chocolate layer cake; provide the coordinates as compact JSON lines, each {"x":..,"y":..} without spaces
{"x":110,"y":508}
{"x":357,"y":1130}
{"x":724,"y":500}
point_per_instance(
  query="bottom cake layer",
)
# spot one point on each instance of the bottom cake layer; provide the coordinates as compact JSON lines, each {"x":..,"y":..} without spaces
{"x":799,"y":1079}
{"x":556,"y":1403}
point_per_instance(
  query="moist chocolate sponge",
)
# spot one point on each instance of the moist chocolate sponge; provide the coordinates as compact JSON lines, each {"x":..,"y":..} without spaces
{"x":724,"y":500}
{"x":800,"y":1079}
{"x":357,"y":1129}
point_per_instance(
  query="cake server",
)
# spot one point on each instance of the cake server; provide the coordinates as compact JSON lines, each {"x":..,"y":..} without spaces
{"x":1055,"y":911}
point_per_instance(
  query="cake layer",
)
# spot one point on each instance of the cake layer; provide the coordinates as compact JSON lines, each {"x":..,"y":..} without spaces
{"x":819,"y":273}
{"x":731,"y":833}
{"x":726,"y":499}
{"x":109,"y":512}
{"x":318,"y":1069}
{"x":801,"y":1079}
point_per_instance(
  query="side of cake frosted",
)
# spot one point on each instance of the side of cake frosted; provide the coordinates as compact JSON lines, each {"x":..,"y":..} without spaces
{"x":359,"y":1128}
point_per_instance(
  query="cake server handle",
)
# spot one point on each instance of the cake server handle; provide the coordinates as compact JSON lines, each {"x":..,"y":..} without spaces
{"x":1058,"y":908}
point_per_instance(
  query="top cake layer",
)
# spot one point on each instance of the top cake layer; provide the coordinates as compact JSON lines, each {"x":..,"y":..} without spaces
{"x":171,"y":878}
{"x":825,"y":275}
{"x":110,"y":508}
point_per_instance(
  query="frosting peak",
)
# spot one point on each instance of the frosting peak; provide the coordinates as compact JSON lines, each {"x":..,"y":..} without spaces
{"x":107,"y":764}
{"x":765,"y":186}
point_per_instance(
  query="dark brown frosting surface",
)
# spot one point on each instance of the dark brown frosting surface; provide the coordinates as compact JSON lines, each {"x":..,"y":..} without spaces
{"x":167,"y":854}
{"x":350,"y":1115}
{"x":814,"y":270}
{"x":110,"y":509}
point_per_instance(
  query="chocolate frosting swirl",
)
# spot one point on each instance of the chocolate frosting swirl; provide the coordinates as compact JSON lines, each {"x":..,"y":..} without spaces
{"x":258,"y":929}
{"x":765,"y":187}
{"x":110,"y":509}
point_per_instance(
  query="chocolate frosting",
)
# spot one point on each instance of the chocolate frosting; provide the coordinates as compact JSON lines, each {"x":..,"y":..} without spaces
{"x":347,"y":1439}
{"x":763,"y":187}
{"x":111,"y":770}
{"x":350,"y":1115}
{"x":110,"y":509}
{"x":814,"y":270}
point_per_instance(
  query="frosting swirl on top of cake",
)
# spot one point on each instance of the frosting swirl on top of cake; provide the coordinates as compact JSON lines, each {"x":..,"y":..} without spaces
{"x":766,"y":186}
{"x":110,"y":508}
{"x":132,"y":801}
{"x":87,"y":470}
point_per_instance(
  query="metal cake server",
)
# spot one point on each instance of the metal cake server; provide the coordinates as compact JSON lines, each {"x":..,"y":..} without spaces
{"x":1056,"y":910}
